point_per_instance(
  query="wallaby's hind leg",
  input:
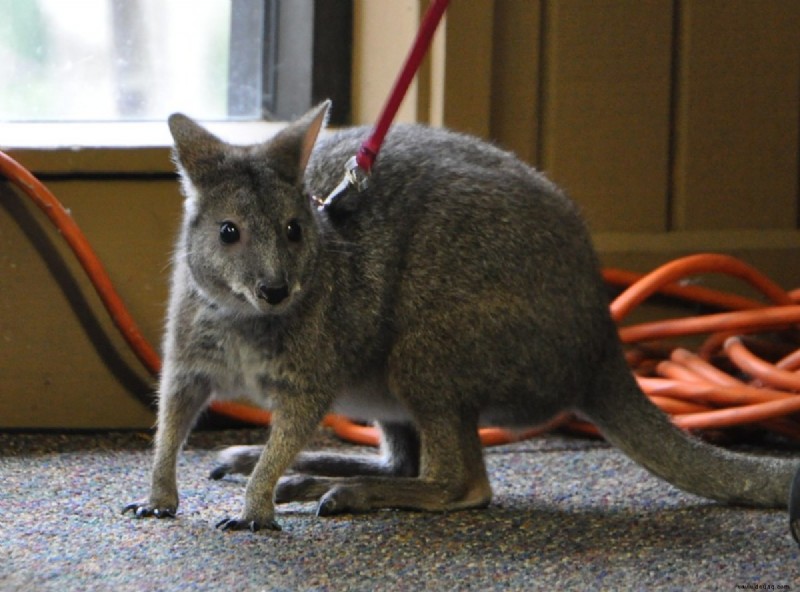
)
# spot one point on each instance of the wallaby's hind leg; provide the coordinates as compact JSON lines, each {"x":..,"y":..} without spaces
{"x":399,"y":457}
{"x":452,"y":476}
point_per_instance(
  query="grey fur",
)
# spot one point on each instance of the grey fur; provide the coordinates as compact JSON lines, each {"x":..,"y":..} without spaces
{"x":459,"y":289}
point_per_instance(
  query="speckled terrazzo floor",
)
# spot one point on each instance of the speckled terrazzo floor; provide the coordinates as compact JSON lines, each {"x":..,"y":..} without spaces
{"x":568,"y":514}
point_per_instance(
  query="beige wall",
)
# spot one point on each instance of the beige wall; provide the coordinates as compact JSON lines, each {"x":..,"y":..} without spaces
{"x":674,"y":125}
{"x":62,"y":363}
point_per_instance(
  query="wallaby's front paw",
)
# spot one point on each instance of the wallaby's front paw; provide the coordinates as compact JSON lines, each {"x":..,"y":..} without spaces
{"x":251,"y":525}
{"x":145,"y":510}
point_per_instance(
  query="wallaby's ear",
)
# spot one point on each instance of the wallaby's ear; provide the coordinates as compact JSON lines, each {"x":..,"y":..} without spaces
{"x":290,"y":150}
{"x":197,"y":151}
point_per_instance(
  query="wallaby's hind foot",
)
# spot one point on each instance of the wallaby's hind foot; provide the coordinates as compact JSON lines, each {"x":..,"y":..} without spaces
{"x":453,"y":476}
{"x":367,"y":494}
{"x":364,"y":494}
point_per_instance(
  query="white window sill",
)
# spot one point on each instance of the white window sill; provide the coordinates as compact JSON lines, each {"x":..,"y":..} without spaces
{"x":110,"y":147}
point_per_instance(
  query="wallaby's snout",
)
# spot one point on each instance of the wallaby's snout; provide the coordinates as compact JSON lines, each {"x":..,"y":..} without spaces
{"x":273,"y":291}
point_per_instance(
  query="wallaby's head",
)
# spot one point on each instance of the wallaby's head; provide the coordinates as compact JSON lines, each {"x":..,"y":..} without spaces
{"x":250,"y":234}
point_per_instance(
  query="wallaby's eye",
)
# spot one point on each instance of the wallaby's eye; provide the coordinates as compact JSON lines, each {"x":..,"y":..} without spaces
{"x":228,"y":233}
{"x":294,"y":231}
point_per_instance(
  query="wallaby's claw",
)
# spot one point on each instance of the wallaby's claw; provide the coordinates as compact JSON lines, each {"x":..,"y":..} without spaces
{"x":251,"y":525}
{"x":143,"y":510}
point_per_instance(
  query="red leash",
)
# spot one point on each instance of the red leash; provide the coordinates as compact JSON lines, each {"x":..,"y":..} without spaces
{"x":369,"y":149}
{"x":358,"y":168}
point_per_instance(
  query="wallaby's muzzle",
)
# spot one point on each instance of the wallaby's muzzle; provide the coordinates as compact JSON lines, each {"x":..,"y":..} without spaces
{"x":273,"y":292}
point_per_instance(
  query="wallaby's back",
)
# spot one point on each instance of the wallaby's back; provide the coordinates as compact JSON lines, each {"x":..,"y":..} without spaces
{"x":463,"y":231}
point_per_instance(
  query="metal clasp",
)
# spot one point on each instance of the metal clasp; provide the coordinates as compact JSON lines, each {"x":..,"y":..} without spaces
{"x":354,"y":176}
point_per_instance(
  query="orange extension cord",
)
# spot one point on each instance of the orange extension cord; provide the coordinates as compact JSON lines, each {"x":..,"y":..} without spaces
{"x":723,"y":384}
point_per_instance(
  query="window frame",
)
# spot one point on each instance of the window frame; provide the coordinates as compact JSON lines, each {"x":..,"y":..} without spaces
{"x":321,"y":63}
{"x":320,"y":59}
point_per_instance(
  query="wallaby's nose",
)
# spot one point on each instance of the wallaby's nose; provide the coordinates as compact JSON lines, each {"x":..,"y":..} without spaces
{"x":273,"y":293}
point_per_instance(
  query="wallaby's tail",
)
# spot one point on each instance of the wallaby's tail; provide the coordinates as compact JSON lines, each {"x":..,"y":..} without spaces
{"x":632,"y":423}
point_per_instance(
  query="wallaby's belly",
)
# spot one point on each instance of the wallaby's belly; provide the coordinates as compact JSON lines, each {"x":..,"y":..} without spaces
{"x":370,"y":401}
{"x":252,"y":374}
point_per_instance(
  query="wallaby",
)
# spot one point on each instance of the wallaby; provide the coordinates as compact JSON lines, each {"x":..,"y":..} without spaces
{"x":460,"y":288}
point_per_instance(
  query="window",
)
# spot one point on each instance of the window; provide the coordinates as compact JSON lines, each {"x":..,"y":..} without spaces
{"x":138,"y":60}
